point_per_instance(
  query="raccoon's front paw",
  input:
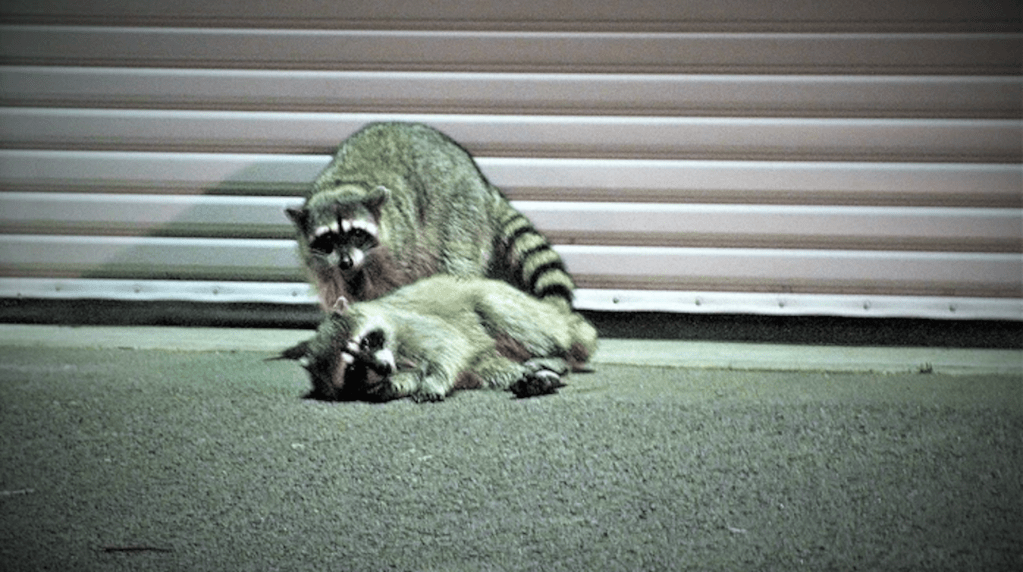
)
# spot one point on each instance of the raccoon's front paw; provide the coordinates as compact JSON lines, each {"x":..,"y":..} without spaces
{"x":427,"y":397}
{"x":395,"y":386}
{"x":430,"y":389}
{"x":534,"y":383}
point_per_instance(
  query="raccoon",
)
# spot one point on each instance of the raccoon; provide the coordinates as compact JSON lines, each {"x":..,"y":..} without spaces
{"x":402,"y":201}
{"x":441,"y":334}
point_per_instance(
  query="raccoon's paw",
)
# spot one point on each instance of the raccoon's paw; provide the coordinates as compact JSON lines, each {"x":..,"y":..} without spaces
{"x":427,"y":396}
{"x":395,"y":386}
{"x":431,"y":389}
{"x":538,"y":382}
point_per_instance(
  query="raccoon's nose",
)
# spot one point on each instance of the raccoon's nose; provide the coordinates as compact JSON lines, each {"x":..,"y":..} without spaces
{"x":345,"y":262}
{"x":382,"y":368}
{"x":383,"y":362}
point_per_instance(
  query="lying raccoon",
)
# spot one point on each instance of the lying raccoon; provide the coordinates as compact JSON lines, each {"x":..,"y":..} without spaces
{"x":402,"y":201}
{"x":440,"y":334}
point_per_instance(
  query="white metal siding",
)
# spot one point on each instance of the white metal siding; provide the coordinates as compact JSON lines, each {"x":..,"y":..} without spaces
{"x":836,"y":158}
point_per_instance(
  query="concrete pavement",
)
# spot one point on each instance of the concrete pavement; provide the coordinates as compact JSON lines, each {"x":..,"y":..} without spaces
{"x":181,"y":449}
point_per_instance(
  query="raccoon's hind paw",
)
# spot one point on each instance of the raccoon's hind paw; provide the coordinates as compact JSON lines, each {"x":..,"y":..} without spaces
{"x":427,"y":397}
{"x":534,"y":383}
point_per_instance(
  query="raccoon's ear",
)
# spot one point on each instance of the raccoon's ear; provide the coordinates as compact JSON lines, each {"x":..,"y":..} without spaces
{"x":341,"y":305}
{"x":298,"y":216}
{"x":377,"y":197}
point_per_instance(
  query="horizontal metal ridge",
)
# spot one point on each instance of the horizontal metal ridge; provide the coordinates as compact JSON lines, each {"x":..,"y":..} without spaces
{"x":631,"y":224}
{"x":779,"y":227}
{"x":605,"y":267}
{"x":639,"y":15}
{"x":804,"y":139}
{"x":512,"y":51}
{"x":691,"y":302}
{"x":537,"y":178}
{"x":513,"y":93}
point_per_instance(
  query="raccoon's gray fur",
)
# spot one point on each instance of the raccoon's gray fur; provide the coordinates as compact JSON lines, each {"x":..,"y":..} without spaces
{"x":401,"y":201}
{"x":440,"y":334}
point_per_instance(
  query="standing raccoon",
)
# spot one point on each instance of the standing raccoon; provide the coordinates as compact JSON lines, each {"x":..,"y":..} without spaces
{"x":402,"y":201}
{"x":440,"y":334}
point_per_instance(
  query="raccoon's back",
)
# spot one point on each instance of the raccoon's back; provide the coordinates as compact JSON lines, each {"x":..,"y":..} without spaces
{"x":498,"y":305}
{"x":438,"y":196}
{"x":425,"y":159}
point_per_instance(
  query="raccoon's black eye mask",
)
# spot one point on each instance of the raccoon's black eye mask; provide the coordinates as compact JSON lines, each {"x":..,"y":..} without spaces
{"x":324,"y":243}
{"x":361,"y":238}
{"x":372,"y":341}
{"x":357,"y":237}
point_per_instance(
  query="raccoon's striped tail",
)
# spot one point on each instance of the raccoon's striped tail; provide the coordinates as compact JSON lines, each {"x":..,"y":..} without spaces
{"x":536,"y":267}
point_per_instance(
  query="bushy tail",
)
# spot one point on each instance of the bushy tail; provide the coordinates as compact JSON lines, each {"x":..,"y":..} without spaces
{"x":533,"y":265}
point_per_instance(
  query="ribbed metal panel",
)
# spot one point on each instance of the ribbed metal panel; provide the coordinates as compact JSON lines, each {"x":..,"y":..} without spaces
{"x":836,"y":158}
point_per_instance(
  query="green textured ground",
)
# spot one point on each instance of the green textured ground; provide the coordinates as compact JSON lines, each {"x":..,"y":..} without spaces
{"x":152,"y":459}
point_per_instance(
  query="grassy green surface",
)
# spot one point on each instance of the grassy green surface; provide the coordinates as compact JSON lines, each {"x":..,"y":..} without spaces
{"x":116,"y":459}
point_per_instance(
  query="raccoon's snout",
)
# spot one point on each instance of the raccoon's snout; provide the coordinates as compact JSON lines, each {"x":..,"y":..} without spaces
{"x":379,"y":367}
{"x":345,"y":262}
{"x":350,"y":259}
{"x":367,"y":361}
{"x":383,"y":362}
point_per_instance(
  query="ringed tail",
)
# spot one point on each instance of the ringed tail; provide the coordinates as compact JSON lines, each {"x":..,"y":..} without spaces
{"x":539,"y":268}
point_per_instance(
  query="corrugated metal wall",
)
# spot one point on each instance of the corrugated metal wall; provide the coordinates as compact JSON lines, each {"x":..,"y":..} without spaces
{"x":835,"y":158}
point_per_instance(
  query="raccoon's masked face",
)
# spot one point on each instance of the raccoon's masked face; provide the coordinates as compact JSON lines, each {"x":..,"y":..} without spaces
{"x":346,"y":361}
{"x":339,"y":233}
{"x":368,"y":362}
